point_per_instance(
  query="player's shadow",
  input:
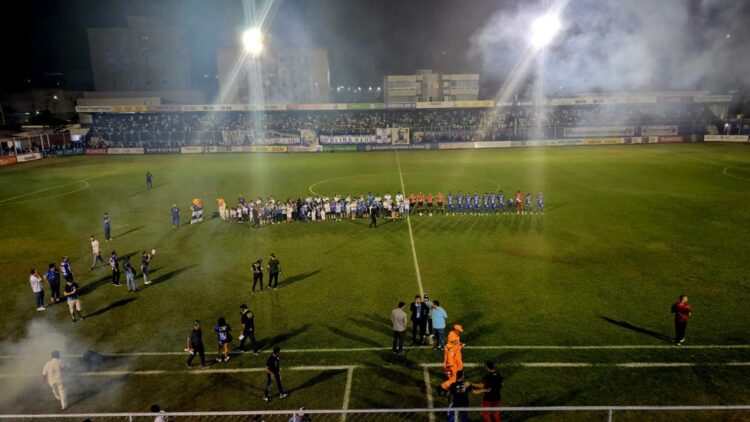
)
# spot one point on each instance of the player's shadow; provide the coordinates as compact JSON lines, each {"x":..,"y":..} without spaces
{"x":129,"y":231}
{"x":286,"y":282}
{"x":167,"y":276}
{"x":113,"y":305}
{"x":321,"y":377}
{"x":146,"y":190}
{"x":629,"y":326}
{"x":373,"y":322}
{"x":360,"y":339}
{"x":267,"y":343}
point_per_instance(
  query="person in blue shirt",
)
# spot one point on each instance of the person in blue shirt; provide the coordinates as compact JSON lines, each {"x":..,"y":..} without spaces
{"x":459,"y":201}
{"x":53,"y":278}
{"x":106,"y":221}
{"x":114,"y":265}
{"x":241,"y":200}
{"x":500,"y":201}
{"x":450,"y":202}
{"x":510,"y":204}
{"x":145,"y":260}
{"x":149,"y":180}
{"x":477,"y":204}
{"x":175,"y":216}
{"x":438,"y":324}
{"x":67,"y":272}
{"x":540,"y":203}
{"x":486,"y":201}
{"x":493,"y":202}
{"x":527,"y":203}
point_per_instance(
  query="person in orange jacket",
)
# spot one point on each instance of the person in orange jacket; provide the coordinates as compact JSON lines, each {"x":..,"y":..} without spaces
{"x":453,"y":360}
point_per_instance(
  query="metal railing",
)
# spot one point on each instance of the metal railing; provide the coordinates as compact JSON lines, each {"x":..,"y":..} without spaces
{"x":608,"y":413}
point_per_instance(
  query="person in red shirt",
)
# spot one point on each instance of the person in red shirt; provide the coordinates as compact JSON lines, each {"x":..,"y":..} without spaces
{"x":519,"y":202}
{"x":429,"y":202}
{"x":682,"y":312}
{"x":412,"y":203}
{"x":420,"y":202}
{"x":440,"y":202}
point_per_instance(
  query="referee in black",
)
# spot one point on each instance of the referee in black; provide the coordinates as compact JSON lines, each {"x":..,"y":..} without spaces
{"x":273,"y":371}
{"x":373,"y":216}
{"x":258,"y":274}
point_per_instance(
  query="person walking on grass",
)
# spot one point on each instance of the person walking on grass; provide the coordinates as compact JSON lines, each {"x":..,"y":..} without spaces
{"x":682,"y":313}
{"x":129,"y":274}
{"x":491,"y":385}
{"x":71,"y":292}
{"x":224,"y":337}
{"x":67,"y":272}
{"x":399,"y":321}
{"x":438,"y":324}
{"x":114,"y":265}
{"x":247,"y":319}
{"x":175,"y":216}
{"x":273,"y":372}
{"x":418,"y":320}
{"x":53,"y":278}
{"x":36,"y":286}
{"x":195,"y":345}
{"x":149,"y":180}
{"x":274,"y":271}
{"x":459,"y":397}
{"x":95,"y":253}
{"x":52,"y":374}
{"x":373,"y":216}
{"x":145,"y":260}
{"x":257,"y":268}
{"x":107,"y":227}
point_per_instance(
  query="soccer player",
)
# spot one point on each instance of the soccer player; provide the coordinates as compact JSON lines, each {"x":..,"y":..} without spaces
{"x":519,"y":202}
{"x":476,"y":202}
{"x":440,"y":203}
{"x":459,"y":201}
{"x":145,"y":260}
{"x":274,"y":271}
{"x":106,"y":221}
{"x":247,"y":319}
{"x":682,"y":313}
{"x":74,"y":304}
{"x":509,"y":205}
{"x":493,"y":202}
{"x":450,"y":202}
{"x":540,"y":203}
{"x":175,"y":216}
{"x":95,"y":252}
{"x":412,"y":202}
{"x":114,"y":265}
{"x":52,"y":373}
{"x":527,"y":203}
{"x":67,"y":272}
{"x":273,"y":372}
{"x":500,"y":201}
{"x":491,"y":385}
{"x":429,"y":203}
{"x":486,"y":202}
{"x":420,"y":202}
{"x":257,"y":268}
{"x":224,"y":337}
{"x":149,"y":180}
{"x":53,"y":278}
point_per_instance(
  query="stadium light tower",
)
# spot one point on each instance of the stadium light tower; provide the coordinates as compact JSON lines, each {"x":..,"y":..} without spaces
{"x":544,"y":29}
{"x":252,"y":39}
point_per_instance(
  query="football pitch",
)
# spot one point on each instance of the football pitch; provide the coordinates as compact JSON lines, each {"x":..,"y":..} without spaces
{"x":573,"y":305}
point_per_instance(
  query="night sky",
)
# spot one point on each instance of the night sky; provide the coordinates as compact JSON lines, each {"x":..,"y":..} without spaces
{"x":366,"y":38}
{"x":607,"y":44}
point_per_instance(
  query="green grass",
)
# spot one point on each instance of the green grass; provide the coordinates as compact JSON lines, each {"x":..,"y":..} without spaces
{"x":626,"y":230}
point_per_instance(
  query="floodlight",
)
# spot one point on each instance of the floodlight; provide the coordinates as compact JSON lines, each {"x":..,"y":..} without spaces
{"x":252,"y":39}
{"x":544,"y":29}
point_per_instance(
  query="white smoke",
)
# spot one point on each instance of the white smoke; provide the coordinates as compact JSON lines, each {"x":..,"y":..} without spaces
{"x":615,"y":45}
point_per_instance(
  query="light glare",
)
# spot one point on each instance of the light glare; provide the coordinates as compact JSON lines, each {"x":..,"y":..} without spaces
{"x":544,"y":29}
{"x":252,"y":39}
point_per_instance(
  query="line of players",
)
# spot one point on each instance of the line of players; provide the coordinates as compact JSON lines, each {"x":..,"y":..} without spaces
{"x":322,"y":208}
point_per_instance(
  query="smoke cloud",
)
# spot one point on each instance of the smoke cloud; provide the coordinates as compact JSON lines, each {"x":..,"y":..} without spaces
{"x":615,"y":45}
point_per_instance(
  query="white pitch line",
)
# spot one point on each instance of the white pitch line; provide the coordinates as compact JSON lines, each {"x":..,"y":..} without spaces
{"x":725,"y":173}
{"x":348,"y":368}
{"x":629,"y":365}
{"x":411,"y":234}
{"x":347,"y":391}
{"x":428,"y":391}
{"x":379,"y":349}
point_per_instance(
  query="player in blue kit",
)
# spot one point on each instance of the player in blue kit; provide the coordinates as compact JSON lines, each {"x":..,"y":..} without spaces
{"x":450,"y":202}
{"x":493,"y":202}
{"x":527,"y":203}
{"x":175,"y":216}
{"x":540,"y":203}
{"x":459,"y":201}
{"x":106,"y":222}
{"x":500,"y":201}
{"x":509,"y":205}
{"x":476,"y":202}
{"x":486,"y":202}
{"x":67,"y":272}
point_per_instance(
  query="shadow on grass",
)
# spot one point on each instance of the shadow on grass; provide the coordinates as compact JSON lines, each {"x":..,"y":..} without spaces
{"x":167,"y":276}
{"x":321,"y":377}
{"x":267,"y":343}
{"x":360,"y":339}
{"x":296,"y":278}
{"x":113,"y":305}
{"x":129,"y":231}
{"x":90,"y":287}
{"x":629,"y":326}
{"x":146,"y":190}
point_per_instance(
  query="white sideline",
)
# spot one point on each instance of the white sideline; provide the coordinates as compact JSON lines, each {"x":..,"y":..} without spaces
{"x":411,"y":234}
{"x":502,"y":347}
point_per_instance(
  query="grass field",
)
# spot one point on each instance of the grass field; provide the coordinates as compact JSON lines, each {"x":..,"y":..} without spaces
{"x":626,"y":230}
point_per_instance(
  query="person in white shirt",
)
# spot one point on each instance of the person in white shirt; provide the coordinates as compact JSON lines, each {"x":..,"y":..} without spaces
{"x":52,"y":374}
{"x":96,"y":252}
{"x":36,"y":286}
